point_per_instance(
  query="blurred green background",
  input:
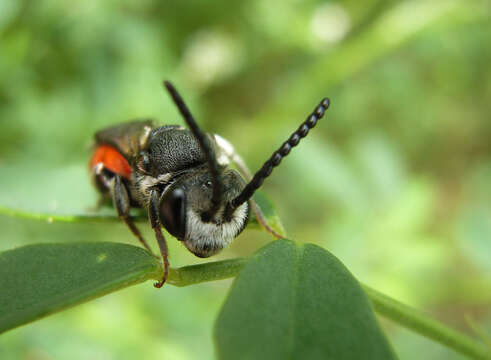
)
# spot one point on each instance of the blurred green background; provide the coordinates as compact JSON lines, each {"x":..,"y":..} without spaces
{"x":395,"y":181}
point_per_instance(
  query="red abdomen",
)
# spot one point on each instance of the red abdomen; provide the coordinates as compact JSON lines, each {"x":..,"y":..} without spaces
{"x":112,"y":159}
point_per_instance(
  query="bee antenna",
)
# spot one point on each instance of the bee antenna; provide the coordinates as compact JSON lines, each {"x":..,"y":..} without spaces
{"x":205,"y":146}
{"x":279,"y":154}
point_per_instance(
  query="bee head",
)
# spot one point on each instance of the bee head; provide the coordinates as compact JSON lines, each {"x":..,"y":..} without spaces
{"x":208,"y":210}
{"x":184,"y":211}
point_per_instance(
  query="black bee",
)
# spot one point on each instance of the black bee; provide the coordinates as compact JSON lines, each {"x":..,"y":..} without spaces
{"x":182,"y":177}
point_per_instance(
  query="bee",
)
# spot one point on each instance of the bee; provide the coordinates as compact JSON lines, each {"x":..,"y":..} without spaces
{"x":183,"y":178}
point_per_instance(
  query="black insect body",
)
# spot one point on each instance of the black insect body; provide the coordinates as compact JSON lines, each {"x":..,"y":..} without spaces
{"x":182,"y":177}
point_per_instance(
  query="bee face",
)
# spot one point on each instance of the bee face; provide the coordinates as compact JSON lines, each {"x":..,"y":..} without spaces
{"x":183,"y":208}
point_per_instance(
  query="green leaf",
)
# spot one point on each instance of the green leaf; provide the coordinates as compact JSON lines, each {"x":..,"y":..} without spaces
{"x":38,"y":280}
{"x":269,"y":213}
{"x":296,"y":301}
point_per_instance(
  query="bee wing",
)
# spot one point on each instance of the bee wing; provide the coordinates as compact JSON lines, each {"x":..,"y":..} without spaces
{"x":129,"y":138}
{"x":226,"y":154}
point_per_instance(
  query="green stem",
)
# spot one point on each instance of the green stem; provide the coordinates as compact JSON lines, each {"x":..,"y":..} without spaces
{"x":70,"y":218}
{"x":423,"y":324}
{"x":392,"y":309}
{"x":86,"y":218}
{"x":195,"y":274}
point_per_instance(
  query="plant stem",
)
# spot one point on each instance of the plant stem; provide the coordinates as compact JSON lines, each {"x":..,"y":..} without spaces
{"x":83,"y":217}
{"x":70,"y":218}
{"x":423,"y":324}
{"x":195,"y":274}
{"x":392,"y":309}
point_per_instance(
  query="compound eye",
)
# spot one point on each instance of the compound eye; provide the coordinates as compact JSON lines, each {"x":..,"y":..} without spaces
{"x":173,"y":212}
{"x":143,"y":162}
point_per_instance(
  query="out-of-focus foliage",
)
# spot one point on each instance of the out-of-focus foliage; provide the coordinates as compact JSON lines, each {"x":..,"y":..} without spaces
{"x":395,"y":181}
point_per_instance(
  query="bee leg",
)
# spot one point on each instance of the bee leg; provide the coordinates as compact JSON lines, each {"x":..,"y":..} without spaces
{"x":121,"y":202}
{"x":153,"y":215}
{"x":101,"y":178}
{"x":228,"y":150}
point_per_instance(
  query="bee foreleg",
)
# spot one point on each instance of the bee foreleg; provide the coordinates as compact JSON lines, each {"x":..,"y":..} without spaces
{"x":121,"y":202}
{"x":153,"y":215}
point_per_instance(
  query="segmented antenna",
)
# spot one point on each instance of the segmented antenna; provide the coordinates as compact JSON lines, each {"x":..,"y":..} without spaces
{"x":205,"y":146}
{"x":279,"y":154}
